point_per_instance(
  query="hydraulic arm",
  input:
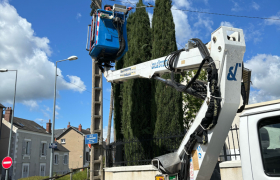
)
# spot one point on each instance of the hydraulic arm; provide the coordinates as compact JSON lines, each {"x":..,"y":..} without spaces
{"x":223,"y":59}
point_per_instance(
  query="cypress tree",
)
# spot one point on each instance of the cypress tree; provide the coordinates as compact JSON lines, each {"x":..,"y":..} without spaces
{"x":136,"y":92}
{"x":117,"y":88}
{"x":167,"y":113}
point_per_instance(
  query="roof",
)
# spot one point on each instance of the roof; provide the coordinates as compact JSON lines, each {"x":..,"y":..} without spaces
{"x":28,"y":125}
{"x":2,"y":106}
{"x":58,"y":132}
{"x":83,"y":132}
{"x":61,"y":148}
{"x":266,"y":103}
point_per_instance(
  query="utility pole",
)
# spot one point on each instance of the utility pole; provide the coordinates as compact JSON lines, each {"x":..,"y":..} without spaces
{"x":110,"y":117}
{"x":96,"y":154}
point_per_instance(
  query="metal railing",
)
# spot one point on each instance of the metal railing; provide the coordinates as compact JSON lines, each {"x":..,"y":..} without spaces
{"x":142,"y":151}
{"x":231,"y":148}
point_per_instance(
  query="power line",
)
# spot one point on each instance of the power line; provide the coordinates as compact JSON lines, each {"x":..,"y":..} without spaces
{"x":219,"y":14}
{"x":225,"y":14}
{"x":79,"y":86}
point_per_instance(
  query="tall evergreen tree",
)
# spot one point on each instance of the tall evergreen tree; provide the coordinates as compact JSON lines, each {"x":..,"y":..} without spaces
{"x":136,"y":121}
{"x":167,"y":113}
{"x":117,"y":88}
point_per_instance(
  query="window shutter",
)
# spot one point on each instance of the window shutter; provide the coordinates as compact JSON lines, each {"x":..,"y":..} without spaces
{"x":58,"y":159}
{"x":40,"y":149}
{"x":29,"y":147}
{"x":45,"y":149}
{"x":23,"y":147}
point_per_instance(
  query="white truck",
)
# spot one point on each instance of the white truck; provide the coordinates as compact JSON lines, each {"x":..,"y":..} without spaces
{"x":198,"y":153}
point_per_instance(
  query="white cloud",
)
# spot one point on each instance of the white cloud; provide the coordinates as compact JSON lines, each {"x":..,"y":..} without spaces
{"x":204,"y":22}
{"x":75,"y":83}
{"x":273,"y":22}
{"x":27,"y":53}
{"x":57,"y":107}
{"x":150,"y":17}
{"x":255,"y":6}
{"x":78,"y":15}
{"x":252,"y":33}
{"x":265,"y":77}
{"x":182,"y":4}
{"x":32,"y":104}
{"x":236,"y":6}
{"x":182,"y":27}
{"x":225,"y":23}
{"x":105,"y":133}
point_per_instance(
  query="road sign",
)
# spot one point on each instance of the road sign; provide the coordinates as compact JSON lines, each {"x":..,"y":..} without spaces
{"x":89,"y":145}
{"x":7,"y":162}
{"x":53,"y":145}
{"x":91,"y":139}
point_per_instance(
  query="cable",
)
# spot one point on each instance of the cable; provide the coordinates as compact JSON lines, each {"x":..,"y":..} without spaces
{"x":225,"y":14}
{"x":219,"y":14}
{"x":171,"y":60}
{"x":79,"y":87}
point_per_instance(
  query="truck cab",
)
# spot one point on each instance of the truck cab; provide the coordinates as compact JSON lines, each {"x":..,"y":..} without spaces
{"x":260,"y":141}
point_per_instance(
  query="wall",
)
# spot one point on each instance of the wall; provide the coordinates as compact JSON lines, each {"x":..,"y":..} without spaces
{"x":74,"y":142}
{"x":35,"y":157}
{"x":231,"y":170}
{"x":4,"y":141}
{"x":61,"y":168}
{"x":146,"y":172}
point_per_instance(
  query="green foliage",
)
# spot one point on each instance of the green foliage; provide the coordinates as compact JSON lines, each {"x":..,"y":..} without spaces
{"x":117,"y":88}
{"x":78,"y":175}
{"x":34,"y":178}
{"x":136,"y":92}
{"x":167,"y":113}
{"x":191,"y":104}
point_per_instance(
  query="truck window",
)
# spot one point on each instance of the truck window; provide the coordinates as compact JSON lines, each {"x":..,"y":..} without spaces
{"x":269,"y":136}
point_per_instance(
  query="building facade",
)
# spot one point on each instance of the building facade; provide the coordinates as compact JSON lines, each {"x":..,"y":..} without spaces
{"x":61,"y":160}
{"x":73,"y":139}
{"x":29,"y":148}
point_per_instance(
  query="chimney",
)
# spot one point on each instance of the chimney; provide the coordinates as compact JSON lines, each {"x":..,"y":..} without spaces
{"x":80,"y":127}
{"x":68,"y":126}
{"x":49,"y":127}
{"x":88,"y":129}
{"x":1,"y":112}
{"x":8,"y":114}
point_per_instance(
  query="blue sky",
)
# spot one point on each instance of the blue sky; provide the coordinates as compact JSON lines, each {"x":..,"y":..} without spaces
{"x":34,"y":34}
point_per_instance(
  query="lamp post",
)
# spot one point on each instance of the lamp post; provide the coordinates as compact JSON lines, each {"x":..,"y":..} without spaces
{"x":71,"y":58}
{"x":12,"y":120}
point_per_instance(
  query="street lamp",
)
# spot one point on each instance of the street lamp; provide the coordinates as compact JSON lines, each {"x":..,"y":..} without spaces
{"x":71,"y":58}
{"x":12,"y":120}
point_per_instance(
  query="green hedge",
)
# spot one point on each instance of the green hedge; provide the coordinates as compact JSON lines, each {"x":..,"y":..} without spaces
{"x":79,"y":175}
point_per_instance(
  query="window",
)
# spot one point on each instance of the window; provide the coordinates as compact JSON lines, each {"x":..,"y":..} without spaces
{"x":43,"y":149}
{"x":63,"y":141}
{"x":65,"y":159}
{"x":269,"y":132}
{"x":42,"y":169}
{"x":25,"y":170}
{"x":87,"y":156}
{"x":26,"y":147}
{"x":56,"y":160}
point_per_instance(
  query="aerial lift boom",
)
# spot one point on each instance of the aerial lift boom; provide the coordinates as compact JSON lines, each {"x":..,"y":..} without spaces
{"x":223,"y":57}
